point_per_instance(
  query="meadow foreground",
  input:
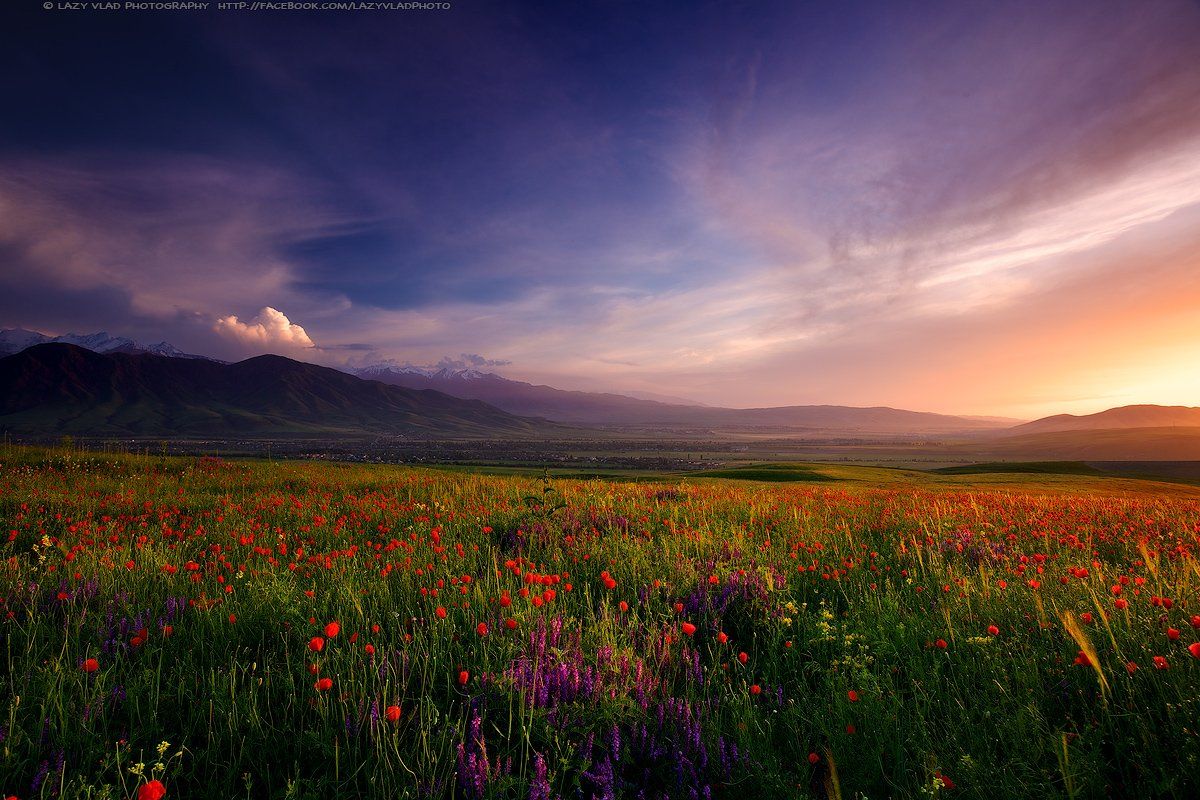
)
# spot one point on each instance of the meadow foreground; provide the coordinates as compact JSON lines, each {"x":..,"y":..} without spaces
{"x":204,"y":628}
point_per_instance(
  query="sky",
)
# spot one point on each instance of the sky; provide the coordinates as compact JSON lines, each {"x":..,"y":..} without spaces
{"x":978,"y":207}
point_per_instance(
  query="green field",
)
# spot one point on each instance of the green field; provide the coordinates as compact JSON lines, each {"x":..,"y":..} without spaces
{"x":293,"y":629}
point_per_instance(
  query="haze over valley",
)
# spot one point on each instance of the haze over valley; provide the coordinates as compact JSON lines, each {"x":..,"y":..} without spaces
{"x":102,"y":387}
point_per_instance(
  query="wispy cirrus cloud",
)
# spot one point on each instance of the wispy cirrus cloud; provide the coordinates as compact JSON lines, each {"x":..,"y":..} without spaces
{"x":767,"y":206}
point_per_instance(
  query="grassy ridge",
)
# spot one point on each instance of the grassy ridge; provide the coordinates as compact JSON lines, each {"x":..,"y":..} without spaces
{"x":886,"y":634}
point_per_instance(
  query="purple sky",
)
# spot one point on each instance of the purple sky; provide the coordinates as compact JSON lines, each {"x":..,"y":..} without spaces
{"x":971,"y":207}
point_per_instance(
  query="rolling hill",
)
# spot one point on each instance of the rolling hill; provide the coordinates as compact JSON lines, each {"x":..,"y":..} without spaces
{"x":1127,"y":433}
{"x":1097,"y":444}
{"x":1140,"y":416}
{"x":65,"y":389}
{"x":640,"y":415}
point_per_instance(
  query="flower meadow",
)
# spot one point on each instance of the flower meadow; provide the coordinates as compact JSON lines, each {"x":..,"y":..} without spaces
{"x":195,"y":628}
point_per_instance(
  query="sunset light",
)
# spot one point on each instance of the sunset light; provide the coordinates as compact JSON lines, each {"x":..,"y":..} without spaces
{"x":600,"y":399}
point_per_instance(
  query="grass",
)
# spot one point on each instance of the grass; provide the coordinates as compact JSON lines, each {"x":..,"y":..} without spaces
{"x":772,"y":472}
{"x":1026,"y":467}
{"x":864,"y":633}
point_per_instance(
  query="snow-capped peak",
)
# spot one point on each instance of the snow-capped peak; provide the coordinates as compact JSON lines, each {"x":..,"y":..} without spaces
{"x":101,"y":342}
{"x":395,"y":369}
{"x":14,"y":340}
{"x":384,"y":369}
{"x":166,"y":349}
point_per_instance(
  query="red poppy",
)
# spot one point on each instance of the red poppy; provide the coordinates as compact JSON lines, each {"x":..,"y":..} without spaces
{"x":316,"y":644}
{"x":623,"y":606}
{"x":742,"y":657}
{"x":332,"y":629}
{"x":813,"y":758}
{"x":1173,"y":634}
{"x":440,"y":612}
{"x":1131,"y":667}
{"x":993,"y":630}
{"x":154,"y":790}
{"x":463,"y":677}
{"x":853,"y":695}
{"x":1160,"y":662}
{"x":91,"y":665}
{"x":722,"y":637}
{"x":1194,"y":649}
{"x":482,"y":629}
{"x":369,"y":649}
{"x":510,"y":623}
{"x":688,"y":628}
{"x":941,"y":644}
{"x":756,"y":689}
{"x":323,"y":684}
{"x":392,"y":713}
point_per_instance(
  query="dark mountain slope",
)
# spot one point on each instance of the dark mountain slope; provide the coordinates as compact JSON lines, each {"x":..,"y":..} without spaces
{"x":60,"y":388}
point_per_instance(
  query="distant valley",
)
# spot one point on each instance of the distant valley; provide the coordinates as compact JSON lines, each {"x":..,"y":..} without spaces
{"x":104,"y":385}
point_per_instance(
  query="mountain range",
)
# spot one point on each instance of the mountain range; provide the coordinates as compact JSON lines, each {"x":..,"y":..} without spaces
{"x":100,"y":384}
{"x":629,"y":413}
{"x":614,"y":412}
{"x":14,"y":340}
{"x":59,"y":388}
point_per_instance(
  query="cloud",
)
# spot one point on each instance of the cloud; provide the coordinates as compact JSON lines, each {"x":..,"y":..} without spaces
{"x":470,"y":361}
{"x":373,"y":357}
{"x":349,"y":347}
{"x":157,"y":247}
{"x":825,"y":208}
{"x":270,"y":328}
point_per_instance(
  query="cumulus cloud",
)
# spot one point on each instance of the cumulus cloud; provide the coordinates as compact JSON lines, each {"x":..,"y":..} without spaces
{"x":270,"y":327}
